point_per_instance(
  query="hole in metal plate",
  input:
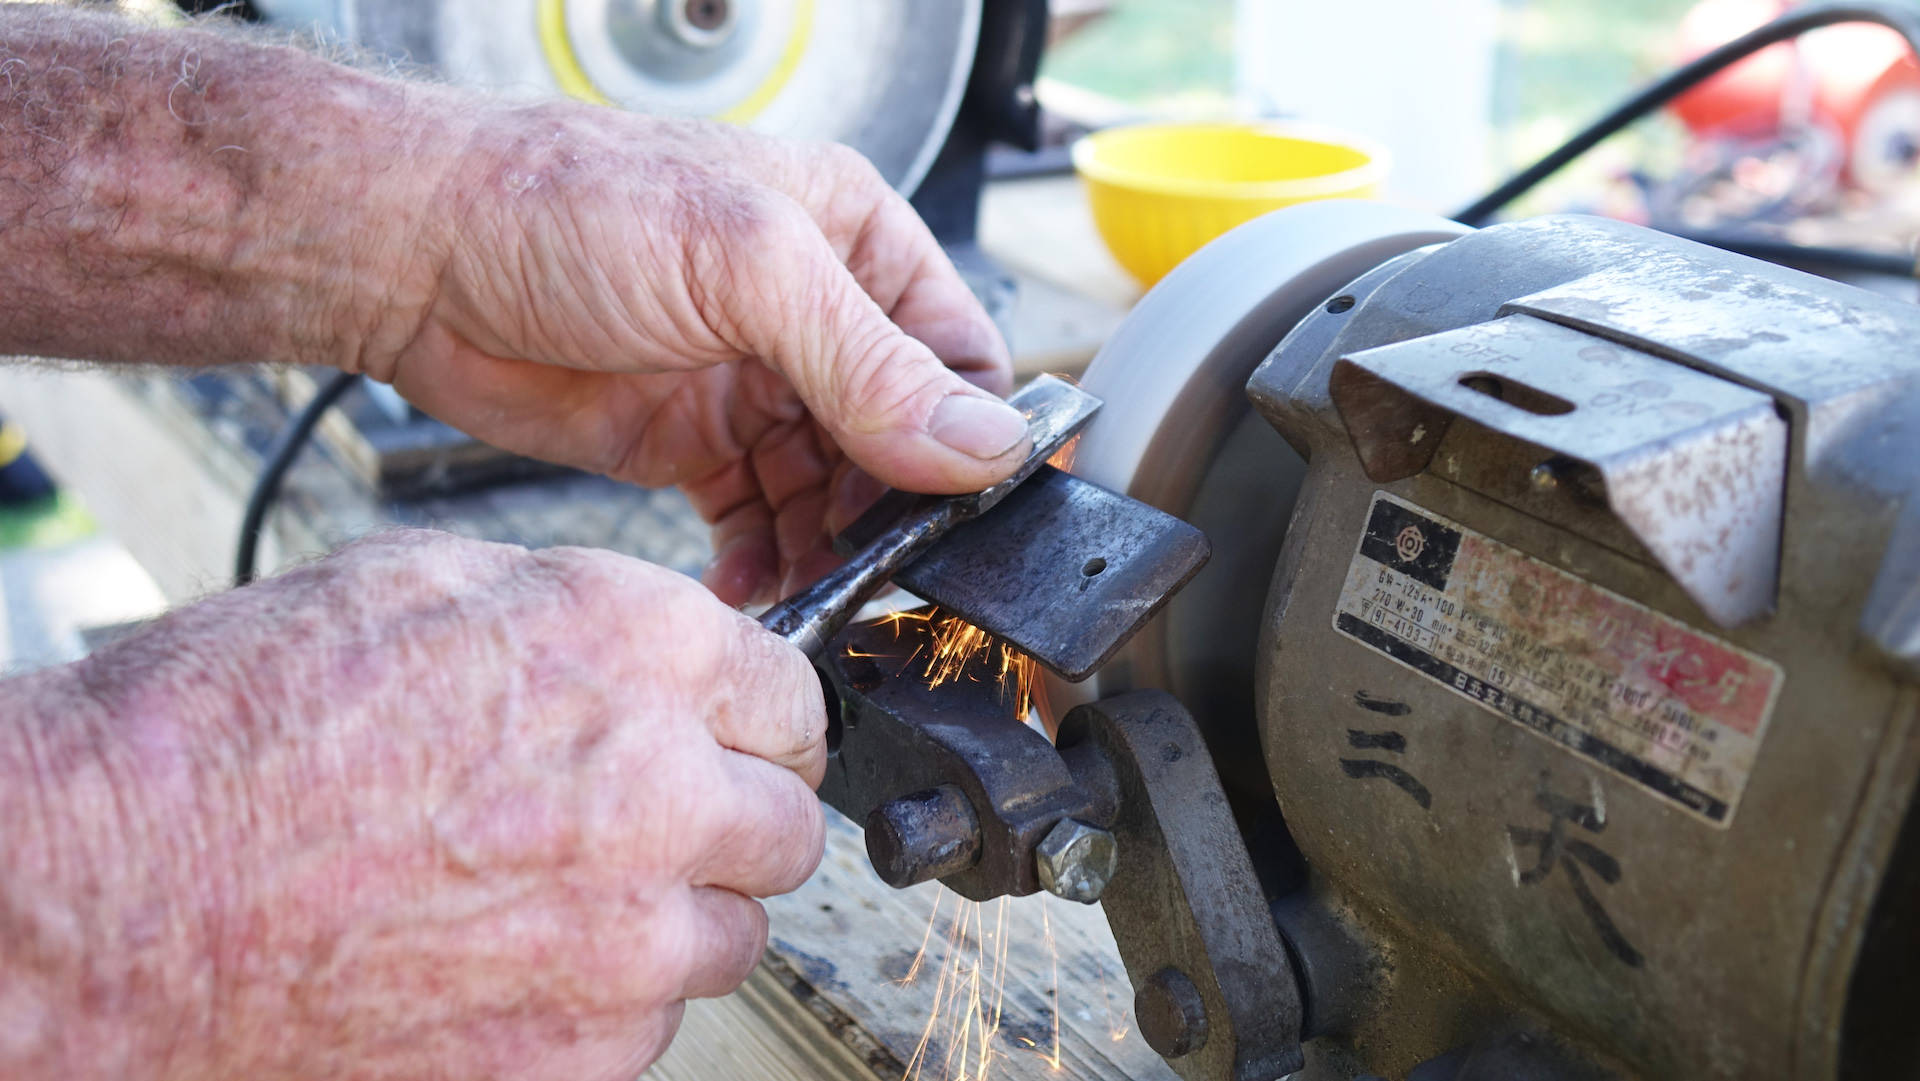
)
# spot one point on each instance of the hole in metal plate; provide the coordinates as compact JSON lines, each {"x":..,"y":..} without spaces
{"x":1518,"y":395}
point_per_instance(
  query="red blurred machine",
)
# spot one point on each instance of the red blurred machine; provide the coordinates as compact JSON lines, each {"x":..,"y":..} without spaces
{"x":1857,"y":82}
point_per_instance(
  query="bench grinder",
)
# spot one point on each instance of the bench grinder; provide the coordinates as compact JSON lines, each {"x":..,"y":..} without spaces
{"x":1548,"y":706}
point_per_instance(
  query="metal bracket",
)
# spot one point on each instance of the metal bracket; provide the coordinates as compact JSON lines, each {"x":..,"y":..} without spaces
{"x":947,"y":782}
{"x":1063,"y":569}
{"x":1694,"y":466}
{"x":1214,"y":990}
{"x":952,"y":787}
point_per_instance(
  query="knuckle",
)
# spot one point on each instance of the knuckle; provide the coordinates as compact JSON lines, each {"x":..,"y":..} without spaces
{"x":888,"y":383}
{"x":750,"y":931}
{"x":850,"y":167}
{"x":678,"y":943}
{"x":598,"y":579}
{"x":809,"y":843}
{"x":389,"y":545}
{"x":754,"y":942}
{"x":741,"y":223}
{"x":746,"y":246}
{"x":779,"y":694}
{"x":787,"y":838}
{"x":403,"y":567}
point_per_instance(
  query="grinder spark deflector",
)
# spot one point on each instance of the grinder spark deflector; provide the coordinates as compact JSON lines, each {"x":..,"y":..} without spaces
{"x":1692,"y":465}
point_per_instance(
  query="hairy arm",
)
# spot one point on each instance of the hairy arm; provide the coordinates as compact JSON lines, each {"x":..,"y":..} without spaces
{"x":485,"y":821}
{"x":763,"y":322}
{"x":184,"y":196}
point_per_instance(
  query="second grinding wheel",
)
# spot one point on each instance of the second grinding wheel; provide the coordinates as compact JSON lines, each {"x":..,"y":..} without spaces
{"x":883,"y":76}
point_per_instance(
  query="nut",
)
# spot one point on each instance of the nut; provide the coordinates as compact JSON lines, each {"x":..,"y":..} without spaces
{"x":1076,"y":860}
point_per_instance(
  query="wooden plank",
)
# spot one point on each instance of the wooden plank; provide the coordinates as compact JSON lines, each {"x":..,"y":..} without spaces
{"x":760,"y":1031}
{"x":1038,"y":979}
{"x":152,"y":473}
{"x":1043,"y":229}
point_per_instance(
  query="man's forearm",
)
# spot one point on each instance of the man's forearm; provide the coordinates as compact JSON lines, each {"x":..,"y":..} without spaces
{"x":182,"y":196}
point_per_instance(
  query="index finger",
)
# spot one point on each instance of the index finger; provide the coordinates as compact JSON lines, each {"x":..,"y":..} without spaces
{"x":895,"y":258}
{"x":768,"y":702}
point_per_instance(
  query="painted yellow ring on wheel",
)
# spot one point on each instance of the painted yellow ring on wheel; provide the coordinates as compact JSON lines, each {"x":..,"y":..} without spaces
{"x":573,"y":79}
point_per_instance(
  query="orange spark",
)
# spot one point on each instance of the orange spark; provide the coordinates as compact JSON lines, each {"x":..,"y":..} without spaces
{"x":957,"y":645}
{"x":1063,"y":458}
{"x":920,"y":957}
{"x":963,"y":1030}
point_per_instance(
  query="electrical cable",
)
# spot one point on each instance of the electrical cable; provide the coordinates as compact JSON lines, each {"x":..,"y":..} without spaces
{"x":266,"y":487}
{"x":1775,"y":250}
{"x":1901,"y":19}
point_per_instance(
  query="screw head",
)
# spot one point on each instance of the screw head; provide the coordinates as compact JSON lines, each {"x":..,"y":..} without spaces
{"x":1172,"y":1016}
{"x":1076,"y":860}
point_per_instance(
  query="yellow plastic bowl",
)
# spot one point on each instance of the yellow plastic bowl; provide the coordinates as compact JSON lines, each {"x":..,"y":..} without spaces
{"x":1159,"y":192}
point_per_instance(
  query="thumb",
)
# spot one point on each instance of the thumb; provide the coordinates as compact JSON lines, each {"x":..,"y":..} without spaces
{"x":889,"y":402}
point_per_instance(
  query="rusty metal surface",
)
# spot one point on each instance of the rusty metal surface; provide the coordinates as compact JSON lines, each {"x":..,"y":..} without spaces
{"x":1185,"y":897}
{"x":1694,"y":466}
{"x":923,"y":836}
{"x":1129,"y":808}
{"x":900,"y":737}
{"x":1065,"y":570}
{"x":900,"y":528}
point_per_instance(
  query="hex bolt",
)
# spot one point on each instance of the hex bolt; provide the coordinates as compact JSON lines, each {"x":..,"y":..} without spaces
{"x":1171,"y":1013}
{"x":1076,"y":860}
{"x":924,"y":836}
{"x":1544,"y":477}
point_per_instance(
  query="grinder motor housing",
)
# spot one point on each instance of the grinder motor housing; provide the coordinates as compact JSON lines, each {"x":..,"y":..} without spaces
{"x":1579,"y":733}
{"x":1587,"y":683}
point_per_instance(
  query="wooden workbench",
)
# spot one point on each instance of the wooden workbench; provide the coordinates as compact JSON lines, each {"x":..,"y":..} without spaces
{"x":860,"y":981}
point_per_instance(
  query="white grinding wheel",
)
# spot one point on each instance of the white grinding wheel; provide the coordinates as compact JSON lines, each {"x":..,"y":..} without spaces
{"x":883,"y":76}
{"x":1176,"y":432}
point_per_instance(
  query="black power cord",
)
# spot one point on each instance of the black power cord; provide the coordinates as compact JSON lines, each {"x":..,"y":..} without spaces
{"x":1902,"y":19}
{"x":1810,"y":256}
{"x":266,"y":487}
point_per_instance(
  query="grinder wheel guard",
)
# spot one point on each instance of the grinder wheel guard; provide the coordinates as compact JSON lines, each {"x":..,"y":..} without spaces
{"x":883,"y":76}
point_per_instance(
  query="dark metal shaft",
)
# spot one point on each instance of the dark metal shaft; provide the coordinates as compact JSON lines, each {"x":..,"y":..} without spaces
{"x":1056,"y":410}
{"x":810,"y":618}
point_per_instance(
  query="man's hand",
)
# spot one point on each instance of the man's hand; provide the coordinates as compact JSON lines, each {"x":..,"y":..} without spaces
{"x":428,"y":808}
{"x":680,"y":303}
{"x":662,"y":301}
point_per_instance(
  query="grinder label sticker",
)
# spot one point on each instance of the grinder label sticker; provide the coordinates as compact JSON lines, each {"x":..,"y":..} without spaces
{"x":1637,"y":692}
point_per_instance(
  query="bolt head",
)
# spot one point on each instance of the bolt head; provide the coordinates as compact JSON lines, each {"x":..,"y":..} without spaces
{"x":1076,"y":860}
{"x":1171,"y":1013}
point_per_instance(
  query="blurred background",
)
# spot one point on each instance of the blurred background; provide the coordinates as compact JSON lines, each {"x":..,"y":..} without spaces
{"x":1463,"y":92}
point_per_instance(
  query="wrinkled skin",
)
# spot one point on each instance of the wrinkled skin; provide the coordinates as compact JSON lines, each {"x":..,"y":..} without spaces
{"x":483,"y":822}
{"x":679,"y":303}
{"x":430,"y":807}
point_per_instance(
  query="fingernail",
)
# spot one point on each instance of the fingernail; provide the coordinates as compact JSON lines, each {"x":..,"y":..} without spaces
{"x":738,"y":574}
{"x":983,"y":428}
